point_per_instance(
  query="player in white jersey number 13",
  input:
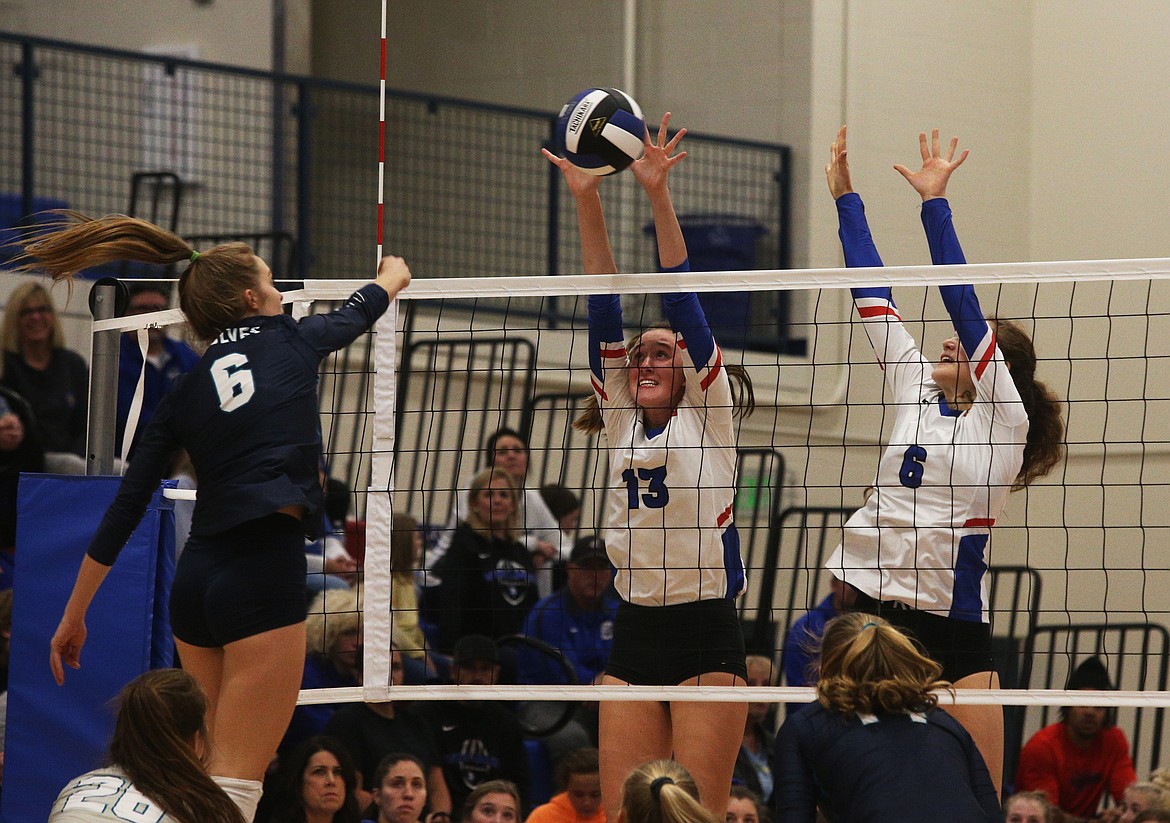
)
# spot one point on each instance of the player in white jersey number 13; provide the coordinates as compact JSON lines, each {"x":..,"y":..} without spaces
{"x":667,"y":408}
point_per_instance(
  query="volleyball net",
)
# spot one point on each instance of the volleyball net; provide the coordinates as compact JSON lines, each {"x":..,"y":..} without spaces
{"x":1077,"y":565}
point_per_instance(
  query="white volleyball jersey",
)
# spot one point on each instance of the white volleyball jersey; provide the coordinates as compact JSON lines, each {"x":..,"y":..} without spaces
{"x":943,"y":480}
{"x":105,"y":795}
{"x":670,"y":529}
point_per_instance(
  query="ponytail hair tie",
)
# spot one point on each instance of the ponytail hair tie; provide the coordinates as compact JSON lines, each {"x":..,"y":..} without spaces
{"x":869,"y":625}
{"x":194,"y":256}
{"x":656,"y":787}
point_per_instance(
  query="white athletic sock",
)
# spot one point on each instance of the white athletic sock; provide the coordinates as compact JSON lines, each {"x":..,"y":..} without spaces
{"x":244,"y":793}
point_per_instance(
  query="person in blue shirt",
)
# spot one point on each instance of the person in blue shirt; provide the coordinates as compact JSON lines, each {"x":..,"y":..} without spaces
{"x":167,"y":359}
{"x":247,"y":415}
{"x":577,"y":619}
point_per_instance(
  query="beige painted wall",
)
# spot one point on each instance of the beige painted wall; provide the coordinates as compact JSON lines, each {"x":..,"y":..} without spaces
{"x":237,"y":32}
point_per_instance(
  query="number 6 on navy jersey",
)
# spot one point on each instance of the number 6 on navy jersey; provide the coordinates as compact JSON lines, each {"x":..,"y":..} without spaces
{"x":233,"y":382}
{"x":656,"y":496}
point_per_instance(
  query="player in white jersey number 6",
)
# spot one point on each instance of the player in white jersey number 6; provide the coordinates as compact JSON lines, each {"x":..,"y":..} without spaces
{"x":968,"y":430}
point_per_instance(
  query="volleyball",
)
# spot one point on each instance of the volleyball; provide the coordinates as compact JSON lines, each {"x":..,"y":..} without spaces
{"x":600,"y":131}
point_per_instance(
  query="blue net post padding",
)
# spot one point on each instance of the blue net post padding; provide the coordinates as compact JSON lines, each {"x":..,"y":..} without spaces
{"x":56,"y":733}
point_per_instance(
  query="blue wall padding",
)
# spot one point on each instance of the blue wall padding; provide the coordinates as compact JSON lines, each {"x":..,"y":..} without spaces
{"x":56,"y":733}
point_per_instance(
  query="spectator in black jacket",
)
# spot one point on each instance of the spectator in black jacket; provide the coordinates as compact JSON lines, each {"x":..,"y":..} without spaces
{"x":478,"y":740}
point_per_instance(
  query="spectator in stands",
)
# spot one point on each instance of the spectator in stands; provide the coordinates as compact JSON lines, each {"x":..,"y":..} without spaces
{"x":20,"y":451}
{"x":1141,"y":797}
{"x":538,"y":529}
{"x":370,"y":731}
{"x":329,"y":565}
{"x":579,"y":800}
{"x":53,"y":379}
{"x":496,"y":801}
{"x":578,"y":622}
{"x":488,"y":577}
{"x":743,"y":806}
{"x":1029,"y":807}
{"x":333,"y":660}
{"x":156,"y":759}
{"x":316,"y":784}
{"x":798,"y":657}
{"x":167,"y":359}
{"x":565,"y":507}
{"x":662,"y":791}
{"x":400,"y":792}
{"x":753,"y":765}
{"x":1074,"y":762}
{"x":478,"y":740}
{"x":876,"y":746}
{"x":406,"y":546}
{"x":578,"y":619}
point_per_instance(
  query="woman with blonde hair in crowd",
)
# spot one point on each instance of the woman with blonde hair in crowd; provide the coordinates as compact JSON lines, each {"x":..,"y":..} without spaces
{"x":1141,"y":797}
{"x":1029,"y":807}
{"x":662,"y":791}
{"x":248,"y":416}
{"x":157,"y":759}
{"x":406,"y":551}
{"x":52,"y":379}
{"x":489,"y":580}
{"x":876,"y":746}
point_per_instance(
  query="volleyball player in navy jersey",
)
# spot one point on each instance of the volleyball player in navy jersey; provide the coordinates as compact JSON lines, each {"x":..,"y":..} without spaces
{"x":968,"y":430}
{"x":667,"y":406}
{"x":247,"y":415}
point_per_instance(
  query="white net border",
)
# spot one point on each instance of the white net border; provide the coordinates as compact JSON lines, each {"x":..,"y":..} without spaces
{"x":376,"y":608}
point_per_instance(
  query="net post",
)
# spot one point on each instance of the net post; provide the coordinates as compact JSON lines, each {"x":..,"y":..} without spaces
{"x":103,"y":382}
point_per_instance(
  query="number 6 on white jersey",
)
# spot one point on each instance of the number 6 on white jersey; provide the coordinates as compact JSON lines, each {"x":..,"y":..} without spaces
{"x":233,"y":382}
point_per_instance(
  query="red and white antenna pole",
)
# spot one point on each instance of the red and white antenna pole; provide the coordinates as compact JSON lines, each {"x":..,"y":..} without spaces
{"x":381,"y":137}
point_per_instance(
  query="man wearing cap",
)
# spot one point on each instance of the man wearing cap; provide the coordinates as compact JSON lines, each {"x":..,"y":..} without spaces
{"x":577,"y":619}
{"x":478,"y":740}
{"x":1076,"y":760}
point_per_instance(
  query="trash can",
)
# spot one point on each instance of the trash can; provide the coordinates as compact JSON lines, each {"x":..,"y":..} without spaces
{"x":723,"y":242}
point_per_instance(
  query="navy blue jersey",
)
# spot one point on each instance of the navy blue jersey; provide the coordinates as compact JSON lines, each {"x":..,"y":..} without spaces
{"x":247,"y":415}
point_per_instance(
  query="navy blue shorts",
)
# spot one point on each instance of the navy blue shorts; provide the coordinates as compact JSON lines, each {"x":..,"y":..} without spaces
{"x":239,"y":583}
{"x":666,"y":645}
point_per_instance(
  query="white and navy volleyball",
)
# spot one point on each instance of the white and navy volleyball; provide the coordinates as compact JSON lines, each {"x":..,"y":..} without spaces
{"x":600,"y":131}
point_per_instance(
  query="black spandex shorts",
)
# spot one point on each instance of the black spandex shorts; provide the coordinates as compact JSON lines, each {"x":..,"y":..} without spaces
{"x":961,"y":647}
{"x":666,"y":645}
{"x":242,"y":582}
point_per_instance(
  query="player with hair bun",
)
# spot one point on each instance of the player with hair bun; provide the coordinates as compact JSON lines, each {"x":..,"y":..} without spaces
{"x":667,"y":406}
{"x":247,"y":415}
{"x":968,"y":430}
{"x":662,"y":791}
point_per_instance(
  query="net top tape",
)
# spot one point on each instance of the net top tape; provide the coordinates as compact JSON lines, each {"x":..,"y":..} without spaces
{"x":1061,"y":271}
{"x":723,"y":694}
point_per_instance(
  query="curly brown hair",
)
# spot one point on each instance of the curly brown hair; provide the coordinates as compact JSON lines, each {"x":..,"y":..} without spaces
{"x":869,"y":666}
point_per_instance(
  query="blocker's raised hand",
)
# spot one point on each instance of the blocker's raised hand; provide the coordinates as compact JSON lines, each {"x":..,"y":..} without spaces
{"x":653,"y":168}
{"x":931,"y":180}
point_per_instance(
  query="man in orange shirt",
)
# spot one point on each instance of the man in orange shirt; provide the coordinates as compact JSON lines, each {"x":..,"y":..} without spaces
{"x":1078,"y":759}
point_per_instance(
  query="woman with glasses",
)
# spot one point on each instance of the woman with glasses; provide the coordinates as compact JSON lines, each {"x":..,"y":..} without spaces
{"x":53,"y":379}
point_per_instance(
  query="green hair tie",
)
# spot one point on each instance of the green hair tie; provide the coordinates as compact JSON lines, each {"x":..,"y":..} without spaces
{"x":194,"y":256}
{"x":869,"y":625}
